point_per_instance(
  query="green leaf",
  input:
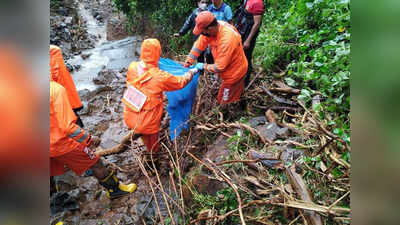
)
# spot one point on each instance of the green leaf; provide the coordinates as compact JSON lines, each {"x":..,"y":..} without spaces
{"x":336,"y":173}
{"x":290,"y":81}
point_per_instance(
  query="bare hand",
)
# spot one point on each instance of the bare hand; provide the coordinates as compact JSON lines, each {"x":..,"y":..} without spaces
{"x":246,"y":44}
{"x":176,"y":35}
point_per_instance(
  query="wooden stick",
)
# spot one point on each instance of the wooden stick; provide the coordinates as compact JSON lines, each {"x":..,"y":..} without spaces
{"x":301,"y":188}
{"x":314,"y":207}
{"x":337,"y":201}
{"x":118,"y":148}
{"x":286,"y":90}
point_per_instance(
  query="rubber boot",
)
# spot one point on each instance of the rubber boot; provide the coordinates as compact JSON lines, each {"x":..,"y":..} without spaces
{"x":114,"y":188}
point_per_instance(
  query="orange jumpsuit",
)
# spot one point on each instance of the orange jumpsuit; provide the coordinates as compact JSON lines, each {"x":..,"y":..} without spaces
{"x":150,"y":80}
{"x":68,"y":142}
{"x":230,"y":60}
{"x":60,"y":74}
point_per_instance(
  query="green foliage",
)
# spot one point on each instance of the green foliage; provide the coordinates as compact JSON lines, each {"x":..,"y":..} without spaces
{"x":226,"y":202}
{"x":167,"y":16}
{"x":310,"y":39}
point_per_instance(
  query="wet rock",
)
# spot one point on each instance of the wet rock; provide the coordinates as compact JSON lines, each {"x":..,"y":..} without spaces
{"x":67,"y":217}
{"x":256,"y":121}
{"x":89,"y":184}
{"x":206,"y":185}
{"x":68,"y":19}
{"x":95,"y":209}
{"x":66,"y":182}
{"x":218,"y":151}
{"x":85,"y":56}
{"x":64,"y":201}
{"x":113,"y":135}
{"x":105,"y":77}
{"x":272,"y":131}
{"x":84,"y":95}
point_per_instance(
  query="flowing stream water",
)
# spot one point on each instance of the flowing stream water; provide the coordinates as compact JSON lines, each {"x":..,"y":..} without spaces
{"x":113,"y":55}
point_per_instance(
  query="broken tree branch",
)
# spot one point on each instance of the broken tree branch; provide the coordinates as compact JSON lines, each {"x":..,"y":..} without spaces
{"x":302,"y":190}
{"x":120,"y":147}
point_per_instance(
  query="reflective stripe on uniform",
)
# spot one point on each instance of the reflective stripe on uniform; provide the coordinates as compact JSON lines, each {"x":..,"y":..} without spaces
{"x":196,"y":50}
{"x":216,"y":69}
{"x":80,"y":140}
{"x":76,"y":133}
{"x":192,"y":56}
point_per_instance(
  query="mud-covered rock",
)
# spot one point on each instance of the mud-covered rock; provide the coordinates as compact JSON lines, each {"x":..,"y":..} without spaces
{"x":256,"y":121}
{"x":207,"y":185}
{"x":218,"y":152}
{"x":105,"y":77}
{"x":272,"y":131}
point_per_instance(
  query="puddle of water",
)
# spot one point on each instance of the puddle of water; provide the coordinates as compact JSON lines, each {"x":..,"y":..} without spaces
{"x":106,"y":54}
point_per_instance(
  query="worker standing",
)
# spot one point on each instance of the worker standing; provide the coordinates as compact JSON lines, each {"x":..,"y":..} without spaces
{"x":248,"y":20}
{"x":226,"y":47}
{"x":70,"y":145}
{"x":60,"y":74}
{"x":221,"y":10}
{"x":190,"y":23}
{"x":143,"y":98}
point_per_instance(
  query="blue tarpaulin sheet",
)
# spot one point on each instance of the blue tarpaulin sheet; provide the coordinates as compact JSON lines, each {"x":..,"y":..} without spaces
{"x":180,"y":102}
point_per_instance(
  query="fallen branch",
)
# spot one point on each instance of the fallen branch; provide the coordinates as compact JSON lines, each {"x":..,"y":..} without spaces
{"x":265,"y":160}
{"x":131,"y":136}
{"x":301,"y":188}
{"x":252,"y":81}
{"x":286,"y":90}
{"x":337,"y":201}
{"x":314,"y":207}
{"x":279,"y":99}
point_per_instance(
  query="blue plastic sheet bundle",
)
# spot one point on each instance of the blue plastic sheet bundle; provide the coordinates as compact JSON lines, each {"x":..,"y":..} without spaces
{"x":180,"y":102}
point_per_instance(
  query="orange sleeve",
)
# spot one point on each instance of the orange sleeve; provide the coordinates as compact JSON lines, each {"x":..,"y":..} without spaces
{"x":198,"y":47}
{"x":225,"y":51}
{"x":170,"y":82}
{"x":66,"y":118}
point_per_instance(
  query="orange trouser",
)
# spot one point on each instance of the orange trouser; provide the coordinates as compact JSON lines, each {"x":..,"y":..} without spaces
{"x":151,"y":142}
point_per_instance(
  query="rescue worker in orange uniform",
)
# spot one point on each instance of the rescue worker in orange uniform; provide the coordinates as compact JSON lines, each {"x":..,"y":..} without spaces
{"x":60,"y":74}
{"x":226,"y":48}
{"x":147,"y":78}
{"x":70,"y":145}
